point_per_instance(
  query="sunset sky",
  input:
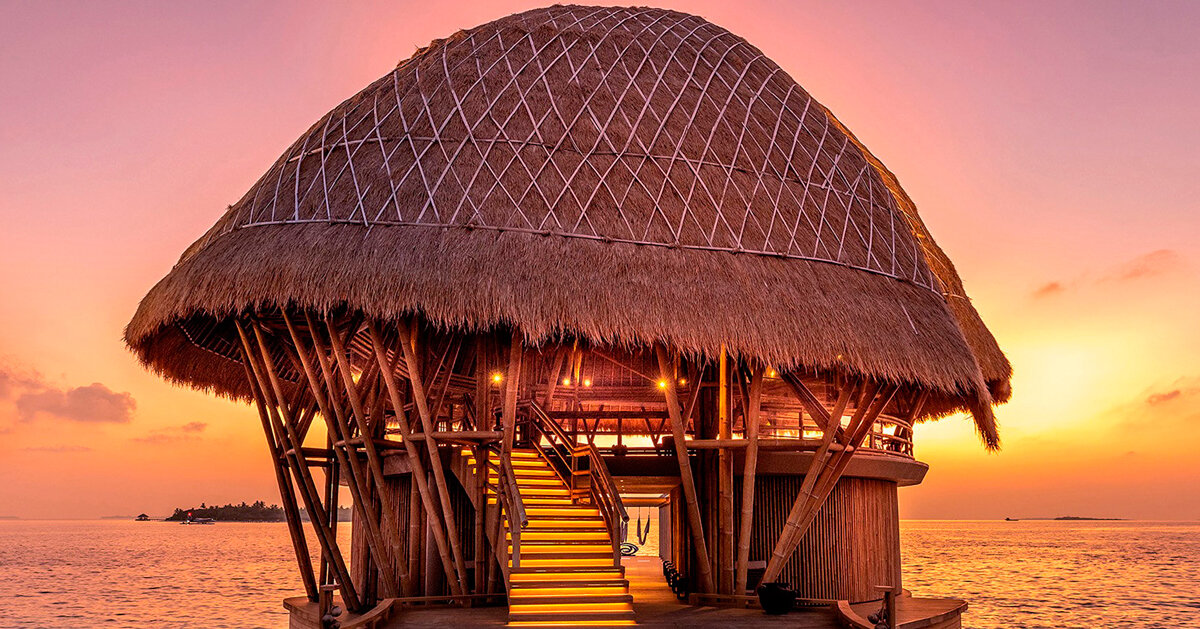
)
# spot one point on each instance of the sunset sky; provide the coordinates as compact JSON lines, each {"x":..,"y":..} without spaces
{"x":1050,"y":147}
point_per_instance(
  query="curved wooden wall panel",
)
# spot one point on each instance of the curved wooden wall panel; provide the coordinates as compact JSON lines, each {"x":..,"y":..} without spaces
{"x":852,"y":547}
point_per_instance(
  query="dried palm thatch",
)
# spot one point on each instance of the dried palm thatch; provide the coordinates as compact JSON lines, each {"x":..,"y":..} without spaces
{"x":627,"y":175}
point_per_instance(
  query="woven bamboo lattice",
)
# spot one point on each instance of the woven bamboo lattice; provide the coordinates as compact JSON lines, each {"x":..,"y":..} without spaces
{"x":620,"y":125}
{"x":627,"y":175}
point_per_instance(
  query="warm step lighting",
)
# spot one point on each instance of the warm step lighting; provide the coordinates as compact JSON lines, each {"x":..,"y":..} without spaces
{"x":574,"y":575}
{"x":598,"y":562}
{"x":531,"y":551}
{"x":572,"y":623}
{"x":574,"y":608}
{"x":583,"y":593}
{"x":532,"y":536}
{"x":567,"y":574}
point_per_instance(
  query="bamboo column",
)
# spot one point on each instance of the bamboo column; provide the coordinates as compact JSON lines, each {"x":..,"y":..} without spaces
{"x":280,"y":415}
{"x":515,"y":351}
{"x":414,"y":457}
{"x":749,"y":472}
{"x":349,"y":462}
{"x":481,"y":467}
{"x":431,"y":447}
{"x":332,"y":491}
{"x":685,"y":467}
{"x":724,"y":478}
{"x":366,"y":434}
{"x":286,"y":492}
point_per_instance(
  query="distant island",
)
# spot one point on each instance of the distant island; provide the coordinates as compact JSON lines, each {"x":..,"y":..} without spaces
{"x":1073,"y":518}
{"x":258,"y":511}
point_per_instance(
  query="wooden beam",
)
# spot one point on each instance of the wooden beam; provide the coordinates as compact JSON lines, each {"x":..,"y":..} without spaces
{"x":435,"y":459}
{"x":685,"y":468}
{"x":749,"y":472}
{"x":414,"y":457}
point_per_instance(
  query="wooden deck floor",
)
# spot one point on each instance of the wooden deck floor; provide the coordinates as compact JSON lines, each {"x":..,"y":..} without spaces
{"x":656,"y":607}
{"x":653,"y":602}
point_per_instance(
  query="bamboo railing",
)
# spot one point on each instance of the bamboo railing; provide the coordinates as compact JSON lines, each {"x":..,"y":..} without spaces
{"x":512,"y":517}
{"x":593,"y":483}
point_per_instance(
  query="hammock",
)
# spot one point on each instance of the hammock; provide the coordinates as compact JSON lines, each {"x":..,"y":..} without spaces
{"x":642,"y":535}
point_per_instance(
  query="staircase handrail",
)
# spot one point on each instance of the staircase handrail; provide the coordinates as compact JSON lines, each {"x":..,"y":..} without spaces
{"x":602,"y":488}
{"x":508,"y":498}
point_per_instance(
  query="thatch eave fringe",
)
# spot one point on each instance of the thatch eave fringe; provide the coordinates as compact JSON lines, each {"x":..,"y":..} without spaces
{"x":783,"y":312}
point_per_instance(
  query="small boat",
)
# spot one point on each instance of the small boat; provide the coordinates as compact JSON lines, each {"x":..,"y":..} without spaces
{"x":199,"y":521}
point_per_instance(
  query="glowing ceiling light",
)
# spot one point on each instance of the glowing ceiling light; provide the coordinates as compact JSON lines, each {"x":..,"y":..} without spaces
{"x":587,"y":382}
{"x":566,"y":382}
{"x":683,"y":382}
{"x":497,"y":377}
{"x":662,"y":384}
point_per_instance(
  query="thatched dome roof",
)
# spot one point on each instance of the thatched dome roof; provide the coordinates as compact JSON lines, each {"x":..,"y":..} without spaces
{"x":625,"y":174}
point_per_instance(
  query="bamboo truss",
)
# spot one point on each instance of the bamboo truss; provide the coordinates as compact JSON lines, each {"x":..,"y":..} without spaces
{"x":395,"y":397}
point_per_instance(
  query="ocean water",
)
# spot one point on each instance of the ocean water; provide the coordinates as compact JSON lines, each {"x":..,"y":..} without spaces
{"x":1028,"y":574}
{"x":1059,"y":574}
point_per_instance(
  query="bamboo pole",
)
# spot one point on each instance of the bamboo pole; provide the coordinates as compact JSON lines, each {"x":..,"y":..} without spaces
{"x":349,"y":462}
{"x":840,"y":461}
{"x":685,"y":468}
{"x":831,"y":423}
{"x":431,"y":447}
{"x":332,"y":491}
{"x":512,"y":380}
{"x":560,"y":356}
{"x":876,"y":398}
{"x":286,"y":492}
{"x":415,"y":547}
{"x":281,"y":417}
{"x":481,"y":468}
{"x":725,"y":551}
{"x":414,"y":457}
{"x":749,"y":472}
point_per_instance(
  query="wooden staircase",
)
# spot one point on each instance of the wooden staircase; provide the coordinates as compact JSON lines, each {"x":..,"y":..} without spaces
{"x":567,"y":574}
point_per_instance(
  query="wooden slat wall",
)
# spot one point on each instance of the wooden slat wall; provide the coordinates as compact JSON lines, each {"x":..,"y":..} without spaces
{"x":852,"y":546}
{"x":400,"y":486}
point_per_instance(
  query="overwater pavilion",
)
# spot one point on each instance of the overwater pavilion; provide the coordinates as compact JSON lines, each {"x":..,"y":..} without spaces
{"x":568,"y":261}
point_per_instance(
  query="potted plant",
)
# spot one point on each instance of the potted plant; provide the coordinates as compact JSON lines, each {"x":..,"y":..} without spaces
{"x":777,"y":597}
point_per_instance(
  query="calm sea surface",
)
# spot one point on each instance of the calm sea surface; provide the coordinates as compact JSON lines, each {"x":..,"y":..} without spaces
{"x":1015,"y":574}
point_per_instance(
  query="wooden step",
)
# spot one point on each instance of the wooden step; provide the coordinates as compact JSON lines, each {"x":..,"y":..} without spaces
{"x":564,"y":551}
{"x":553,"y":535}
{"x":536,"y":574}
{"x":572,"y":614}
{"x":568,"y":623}
{"x":580,"y":598}
{"x":582,"y":561}
{"x":569,"y":585}
{"x":563,"y":521}
{"x":543,"y":490}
